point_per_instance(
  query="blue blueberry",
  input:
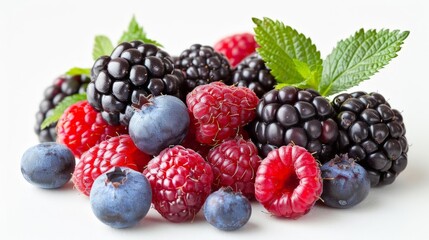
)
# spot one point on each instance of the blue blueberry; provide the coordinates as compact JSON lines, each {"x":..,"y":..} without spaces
{"x":345,"y":182}
{"x":162,"y":122}
{"x":121,"y":197}
{"x":48,"y":165}
{"x":227,"y":210}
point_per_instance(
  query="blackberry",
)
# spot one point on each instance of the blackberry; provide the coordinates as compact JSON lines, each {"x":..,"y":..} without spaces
{"x":252,"y":73}
{"x":373,"y":133}
{"x":295,"y":115}
{"x":62,"y":87}
{"x":134,"y":69}
{"x":202,"y":65}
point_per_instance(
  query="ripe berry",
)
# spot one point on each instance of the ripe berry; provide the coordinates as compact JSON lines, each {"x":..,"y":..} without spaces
{"x":48,"y":165}
{"x":162,"y":121}
{"x":62,"y":87}
{"x":345,"y":183}
{"x":133,"y":69}
{"x":202,"y":65}
{"x":120,"y":197}
{"x":254,"y":74}
{"x":288,"y":182}
{"x":234,"y":164}
{"x":81,"y":127}
{"x":118,"y":151}
{"x":236,"y":47}
{"x":220,"y":110}
{"x":373,"y":134}
{"x":293,"y":115}
{"x":191,"y":142}
{"x":227,"y":210}
{"x":181,"y":181}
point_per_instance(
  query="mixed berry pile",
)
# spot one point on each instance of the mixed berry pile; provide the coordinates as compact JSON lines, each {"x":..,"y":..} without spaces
{"x":251,"y":118}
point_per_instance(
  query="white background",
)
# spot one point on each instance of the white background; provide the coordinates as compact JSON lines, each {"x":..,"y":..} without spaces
{"x":42,"y":39}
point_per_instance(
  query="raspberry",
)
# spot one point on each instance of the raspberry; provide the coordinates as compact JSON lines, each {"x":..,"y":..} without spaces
{"x":62,"y":87}
{"x":133,"y":69}
{"x":220,"y":110}
{"x":288,"y":182}
{"x":202,"y":65}
{"x":373,"y":133}
{"x":191,"y":142}
{"x":118,"y":151}
{"x":236,"y":47}
{"x":234,"y":163}
{"x":181,"y":181}
{"x":254,"y":74}
{"x":293,"y":115}
{"x":81,"y":127}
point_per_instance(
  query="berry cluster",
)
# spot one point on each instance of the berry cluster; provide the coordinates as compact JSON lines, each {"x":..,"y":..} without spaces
{"x":62,"y":87}
{"x":209,"y":131}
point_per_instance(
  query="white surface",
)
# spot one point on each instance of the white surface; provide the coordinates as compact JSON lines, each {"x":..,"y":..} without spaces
{"x":41,"y":39}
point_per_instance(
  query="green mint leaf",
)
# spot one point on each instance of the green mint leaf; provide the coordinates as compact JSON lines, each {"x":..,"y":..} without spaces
{"x":78,"y":71}
{"x":136,"y":32}
{"x":102,"y":46}
{"x":358,"y":57}
{"x":291,"y":56}
{"x":311,"y":77}
{"x":61,"y":107}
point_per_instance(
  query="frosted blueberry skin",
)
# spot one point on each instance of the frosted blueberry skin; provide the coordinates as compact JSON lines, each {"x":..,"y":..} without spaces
{"x":162,"y":122}
{"x":345,"y":182}
{"x":121,"y":197}
{"x":48,"y":165}
{"x":227,"y":210}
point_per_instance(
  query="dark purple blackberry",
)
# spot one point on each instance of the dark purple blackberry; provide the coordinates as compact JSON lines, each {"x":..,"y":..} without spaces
{"x":295,"y":115}
{"x":62,"y":87}
{"x":252,"y":73}
{"x":203,"y":65}
{"x":373,"y":133}
{"x":134,"y":69}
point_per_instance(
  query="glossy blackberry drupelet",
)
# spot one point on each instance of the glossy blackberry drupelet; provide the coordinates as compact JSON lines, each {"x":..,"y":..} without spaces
{"x":133,"y":69}
{"x":293,"y":115}
{"x":202,"y":65}
{"x":62,"y":87}
{"x":373,"y":133}
{"x":252,"y":73}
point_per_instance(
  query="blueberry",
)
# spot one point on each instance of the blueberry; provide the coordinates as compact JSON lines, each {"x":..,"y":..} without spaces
{"x":120,"y":197}
{"x":48,"y":165}
{"x":345,"y":182}
{"x":227,"y":210}
{"x":161,"y":122}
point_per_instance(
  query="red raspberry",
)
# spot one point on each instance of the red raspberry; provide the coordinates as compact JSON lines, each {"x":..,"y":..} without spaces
{"x":118,"y":151}
{"x":191,"y":142}
{"x":234,"y":164}
{"x":288,"y":182}
{"x":220,"y":110}
{"x":236,"y":47}
{"x":181,"y":181}
{"x":81,"y":127}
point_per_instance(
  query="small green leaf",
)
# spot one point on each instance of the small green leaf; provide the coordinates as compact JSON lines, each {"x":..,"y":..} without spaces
{"x":291,"y":56}
{"x":102,"y":46}
{"x":79,"y":71}
{"x":310,"y":77}
{"x":358,"y":57}
{"x":61,"y":107}
{"x":136,"y":32}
